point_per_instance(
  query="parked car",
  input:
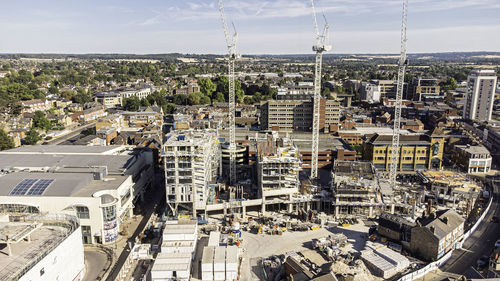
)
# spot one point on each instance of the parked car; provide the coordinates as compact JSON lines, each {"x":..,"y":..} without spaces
{"x":497,"y":244}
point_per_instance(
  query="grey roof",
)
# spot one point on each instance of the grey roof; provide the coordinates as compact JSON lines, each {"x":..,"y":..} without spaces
{"x":477,"y":149}
{"x":444,"y":222}
{"x":56,"y":149}
{"x":396,"y":219}
{"x":64,"y":184}
{"x":116,"y":164}
{"x":403,"y":140}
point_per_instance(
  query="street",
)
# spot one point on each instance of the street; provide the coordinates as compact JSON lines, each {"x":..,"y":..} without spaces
{"x":481,"y":242}
{"x":72,"y":134}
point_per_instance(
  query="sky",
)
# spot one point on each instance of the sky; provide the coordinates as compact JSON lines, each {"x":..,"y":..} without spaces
{"x":263,"y":26}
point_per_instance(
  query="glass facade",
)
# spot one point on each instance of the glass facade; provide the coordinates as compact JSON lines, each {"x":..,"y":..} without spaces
{"x":18,"y":209}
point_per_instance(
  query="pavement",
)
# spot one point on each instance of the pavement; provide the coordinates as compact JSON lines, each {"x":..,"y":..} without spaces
{"x":463,"y":261}
{"x":96,"y":263}
{"x":135,"y":227}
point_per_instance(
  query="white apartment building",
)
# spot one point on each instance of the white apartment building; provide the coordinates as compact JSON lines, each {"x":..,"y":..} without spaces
{"x":278,"y":166}
{"x":473,"y":159}
{"x":141,"y":93}
{"x":192,"y":160}
{"x":480,"y":97}
{"x":370,"y":92}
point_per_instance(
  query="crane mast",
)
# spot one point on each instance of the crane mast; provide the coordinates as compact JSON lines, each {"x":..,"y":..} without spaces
{"x":403,"y":62}
{"x":319,"y":48}
{"x":233,"y":56}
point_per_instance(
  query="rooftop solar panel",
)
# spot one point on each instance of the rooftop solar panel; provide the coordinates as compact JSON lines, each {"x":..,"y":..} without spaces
{"x":39,"y":187}
{"x":22,"y":187}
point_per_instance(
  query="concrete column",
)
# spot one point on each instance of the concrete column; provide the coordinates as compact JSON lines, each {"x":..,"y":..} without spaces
{"x":336,"y":212}
{"x":392,"y":208}
{"x":263,"y":209}
{"x":371,"y":212}
{"x":194,"y":211}
{"x":290,"y":207}
{"x":243,"y":212}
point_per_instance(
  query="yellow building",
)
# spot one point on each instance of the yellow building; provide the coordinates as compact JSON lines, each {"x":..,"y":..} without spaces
{"x":417,"y":152}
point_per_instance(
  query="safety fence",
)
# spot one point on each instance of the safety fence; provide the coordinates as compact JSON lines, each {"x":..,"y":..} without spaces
{"x":458,"y":245}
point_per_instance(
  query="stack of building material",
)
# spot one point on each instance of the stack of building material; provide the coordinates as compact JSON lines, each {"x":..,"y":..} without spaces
{"x":180,"y":238}
{"x":231,"y":263}
{"x":177,"y":250}
{"x":169,"y":266}
{"x":207,"y":264}
{"x":214,"y":238}
{"x":220,"y":263}
{"x":384,"y":261}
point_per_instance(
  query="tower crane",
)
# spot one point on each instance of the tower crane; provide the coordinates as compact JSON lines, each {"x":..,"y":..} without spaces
{"x":233,"y":56}
{"x":319,"y":47}
{"x":403,"y":62}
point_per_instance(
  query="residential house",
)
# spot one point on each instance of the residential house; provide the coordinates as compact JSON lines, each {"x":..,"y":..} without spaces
{"x":436,"y":235}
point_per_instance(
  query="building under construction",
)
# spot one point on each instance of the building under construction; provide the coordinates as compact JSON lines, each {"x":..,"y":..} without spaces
{"x":192,"y":163}
{"x":278,"y":166}
{"x":355,"y":189}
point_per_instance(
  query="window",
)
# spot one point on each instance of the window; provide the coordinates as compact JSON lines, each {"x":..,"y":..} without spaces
{"x":42,"y":271}
{"x":82,"y":212}
{"x":124,"y":198}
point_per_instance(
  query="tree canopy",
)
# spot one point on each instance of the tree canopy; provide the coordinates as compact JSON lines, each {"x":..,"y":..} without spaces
{"x":6,"y":142}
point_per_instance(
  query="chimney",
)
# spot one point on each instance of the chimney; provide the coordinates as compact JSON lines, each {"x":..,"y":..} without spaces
{"x":445,"y":220}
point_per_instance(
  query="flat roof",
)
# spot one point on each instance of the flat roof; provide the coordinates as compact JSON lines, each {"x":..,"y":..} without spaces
{"x":23,"y":252}
{"x":116,"y":164}
{"x":476,"y":149}
{"x":63,"y":149}
{"x":370,"y":130}
{"x":64,"y":184}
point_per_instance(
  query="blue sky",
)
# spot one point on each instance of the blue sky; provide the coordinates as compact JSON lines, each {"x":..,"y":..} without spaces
{"x":264,"y":26}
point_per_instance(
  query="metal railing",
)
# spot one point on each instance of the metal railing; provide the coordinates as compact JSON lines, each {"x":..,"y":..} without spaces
{"x":18,"y":267}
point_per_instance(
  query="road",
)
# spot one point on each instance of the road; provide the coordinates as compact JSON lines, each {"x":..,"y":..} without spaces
{"x":481,"y":242}
{"x":96,"y":262}
{"x":72,"y":134}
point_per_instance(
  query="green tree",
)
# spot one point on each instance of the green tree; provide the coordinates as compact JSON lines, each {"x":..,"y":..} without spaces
{"x":219,"y":97}
{"x":205,"y":100}
{"x":53,"y":89}
{"x":41,"y":122}
{"x":32,"y":137}
{"x":168,"y":108}
{"x":132,"y":104}
{"x":6,"y":142}
{"x":248,"y":100}
{"x":195,"y":98}
{"x":67,"y":94}
{"x":207,"y":87}
{"x":145,"y":102}
{"x":180,"y":99}
{"x":81,"y":97}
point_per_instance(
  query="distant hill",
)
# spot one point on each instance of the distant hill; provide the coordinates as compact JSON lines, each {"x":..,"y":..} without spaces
{"x":450,"y":56}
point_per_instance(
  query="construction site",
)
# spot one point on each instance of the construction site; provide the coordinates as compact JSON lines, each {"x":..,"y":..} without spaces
{"x":260,"y":214}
